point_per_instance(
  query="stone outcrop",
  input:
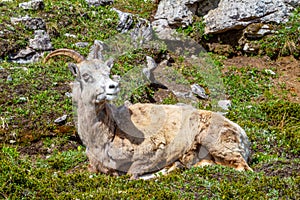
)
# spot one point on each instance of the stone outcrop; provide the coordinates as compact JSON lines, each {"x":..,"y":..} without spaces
{"x":222,"y":15}
{"x":30,"y":23}
{"x":178,"y":12}
{"x":33,"y":5}
{"x":41,"y":41}
{"x":125,"y":20}
{"x":231,"y":14}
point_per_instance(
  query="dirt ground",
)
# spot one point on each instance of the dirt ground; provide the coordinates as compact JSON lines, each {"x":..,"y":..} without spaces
{"x":287,"y":70}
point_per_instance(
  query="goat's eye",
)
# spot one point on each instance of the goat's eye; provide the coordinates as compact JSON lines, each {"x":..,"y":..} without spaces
{"x":87,"y":77}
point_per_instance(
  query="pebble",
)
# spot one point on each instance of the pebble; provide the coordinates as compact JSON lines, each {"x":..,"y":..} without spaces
{"x":61,"y":119}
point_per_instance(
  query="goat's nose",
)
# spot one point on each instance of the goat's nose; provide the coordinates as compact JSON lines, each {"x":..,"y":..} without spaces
{"x":112,"y":86}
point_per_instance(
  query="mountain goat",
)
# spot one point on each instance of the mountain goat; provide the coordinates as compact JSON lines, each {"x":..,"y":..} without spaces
{"x":143,"y":139}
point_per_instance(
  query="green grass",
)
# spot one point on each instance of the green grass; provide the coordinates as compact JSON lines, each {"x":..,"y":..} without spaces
{"x":23,"y":178}
{"x":143,"y":9}
{"x":195,"y":30}
{"x":42,"y":160}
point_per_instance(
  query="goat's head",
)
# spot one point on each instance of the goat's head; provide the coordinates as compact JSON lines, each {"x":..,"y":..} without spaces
{"x":92,"y":84}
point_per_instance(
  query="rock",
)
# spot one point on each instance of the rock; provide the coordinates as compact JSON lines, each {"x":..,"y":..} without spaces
{"x":224,"y":104}
{"x":26,"y":56}
{"x":257,"y":30}
{"x":249,"y":48}
{"x":99,"y":2}
{"x":70,"y":35}
{"x":206,"y":5}
{"x":35,"y":24}
{"x":33,"y":5}
{"x":9,"y":78}
{"x":22,"y":99}
{"x":81,"y":44}
{"x":199,"y":91}
{"x":270,"y":72}
{"x":30,"y":23}
{"x":231,"y":14}
{"x":61,"y":120}
{"x":96,"y":50}
{"x":41,"y":41}
{"x":184,"y":95}
{"x":142,"y":33}
{"x":125,"y":21}
{"x":163,"y":30}
{"x":24,"y":53}
{"x":294,"y":3}
{"x":148,"y":71}
{"x":178,"y":13}
{"x":68,"y":94}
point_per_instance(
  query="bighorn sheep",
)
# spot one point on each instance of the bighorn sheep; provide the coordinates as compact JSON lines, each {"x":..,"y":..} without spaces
{"x":143,"y":139}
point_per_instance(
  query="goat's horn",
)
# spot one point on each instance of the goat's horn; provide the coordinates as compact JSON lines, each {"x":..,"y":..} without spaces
{"x":65,"y":52}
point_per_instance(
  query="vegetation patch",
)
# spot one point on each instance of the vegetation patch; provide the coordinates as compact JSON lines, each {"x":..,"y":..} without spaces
{"x":145,"y":9}
{"x":286,"y":40}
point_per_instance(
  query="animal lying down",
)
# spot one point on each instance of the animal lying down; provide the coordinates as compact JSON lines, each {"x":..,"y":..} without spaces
{"x":143,"y":139}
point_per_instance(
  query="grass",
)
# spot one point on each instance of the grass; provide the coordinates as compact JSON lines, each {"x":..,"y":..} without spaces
{"x":143,"y":9}
{"x":286,"y":41}
{"x":44,"y":160}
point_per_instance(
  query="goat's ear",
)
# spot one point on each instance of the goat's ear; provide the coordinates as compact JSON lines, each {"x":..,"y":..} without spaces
{"x":110,"y":63}
{"x":74,"y":69}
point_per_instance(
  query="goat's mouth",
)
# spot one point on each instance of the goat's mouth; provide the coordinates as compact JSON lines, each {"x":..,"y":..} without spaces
{"x":106,"y":97}
{"x":111,"y":96}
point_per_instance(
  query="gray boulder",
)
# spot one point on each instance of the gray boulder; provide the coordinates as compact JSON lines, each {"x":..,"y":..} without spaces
{"x":142,"y":32}
{"x":33,"y":5}
{"x":30,"y":23}
{"x":125,"y":20}
{"x":163,"y":30}
{"x":232,"y":14}
{"x":256,"y":31}
{"x":41,"y":41}
{"x":26,"y":56}
{"x":177,"y":12}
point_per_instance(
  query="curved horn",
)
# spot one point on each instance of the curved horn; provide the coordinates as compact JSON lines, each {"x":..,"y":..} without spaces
{"x":65,"y":52}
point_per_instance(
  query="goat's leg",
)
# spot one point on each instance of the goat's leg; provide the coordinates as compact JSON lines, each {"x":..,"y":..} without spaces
{"x":231,"y":159}
{"x":204,"y":162}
